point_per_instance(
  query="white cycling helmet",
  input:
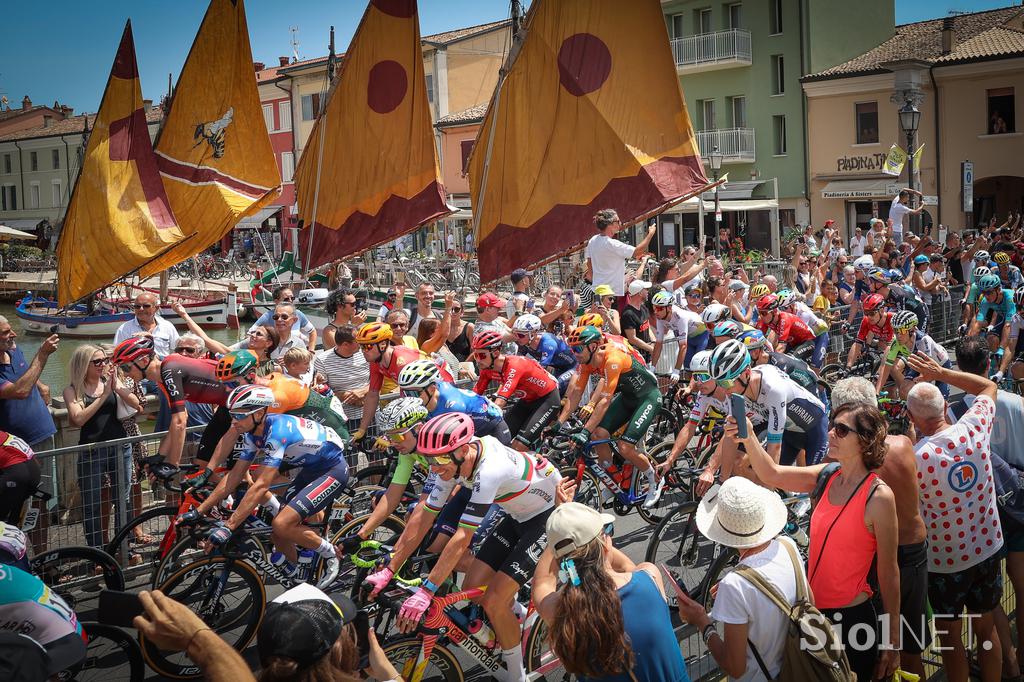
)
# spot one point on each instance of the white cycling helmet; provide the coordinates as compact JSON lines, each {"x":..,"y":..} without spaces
{"x":728,"y":361}
{"x":528,"y":324}
{"x":701,"y":362}
{"x":982,"y":256}
{"x":250,"y":398}
{"x":401,"y":414}
{"x":981,"y":271}
{"x":419,"y":374}
{"x":786,"y":298}
{"x":714,"y":313}
{"x":904,"y":320}
{"x":662,"y":299}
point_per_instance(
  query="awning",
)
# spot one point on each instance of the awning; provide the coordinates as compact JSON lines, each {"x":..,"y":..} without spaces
{"x":734,"y":190}
{"x":859,"y":189}
{"x":24,"y":223}
{"x":254,"y":221}
{"x":692,"y":205}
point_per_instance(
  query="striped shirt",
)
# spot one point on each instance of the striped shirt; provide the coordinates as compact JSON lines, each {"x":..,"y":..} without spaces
{"x":344,"y":374}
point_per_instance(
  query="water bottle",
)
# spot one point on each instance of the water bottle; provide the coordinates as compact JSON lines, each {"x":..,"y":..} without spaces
{"x":483,"y":633}
{"x":305,"y":564}
{"x":278,"y":559}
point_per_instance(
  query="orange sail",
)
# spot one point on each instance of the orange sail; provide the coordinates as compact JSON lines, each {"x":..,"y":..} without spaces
{"x":214,"y":150}
{"x":590,"y":115}
{"x":369,"y":170}
{"x":118,"y":218}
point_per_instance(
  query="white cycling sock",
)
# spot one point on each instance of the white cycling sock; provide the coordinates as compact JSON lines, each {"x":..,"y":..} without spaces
{"x":519,"y":610}
{"x":514,"y":663}
{"x":273,"y":504}
{"x":325,"y":549}
{"x":651,"y":478}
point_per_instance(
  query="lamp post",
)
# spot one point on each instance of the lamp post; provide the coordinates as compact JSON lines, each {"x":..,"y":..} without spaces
{"x":910,"y":119}
{"x":715,"y":161}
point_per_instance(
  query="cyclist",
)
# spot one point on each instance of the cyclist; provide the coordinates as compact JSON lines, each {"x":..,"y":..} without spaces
{"x":421,"y":379}
{"x":909,"y":339}
{"x":524,"y":487}
{"x":785,"y":331}
{"x":789,"y":301}
{"x":627,"y":395}
{"x":19,"y":476}
{"x":550,"y":351}
{"x":795,"y":419}
{"x":519,"y":377}
{"x":995,"y":309}
{"x":385,"y":360}
{"x":1009,"y":275}
{"x":712,"y":315}
{"x":290,"y":443}
{"x":897,"y":297}
{"x":877,"y":323}
{"x":970,"y":302}
{"x":684,"y":324}
{"x":761,"y":353}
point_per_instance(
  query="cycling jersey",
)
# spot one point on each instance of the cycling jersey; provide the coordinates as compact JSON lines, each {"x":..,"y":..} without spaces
{"x":294,"y":443}
{"x":973,"y":293}
{"x":298,"y":399}
{"x":451,"y":398}
{"x":622,"y":343}
{"x":783,"y":405}
{"x":1003,"y":310}
{"x":289,"y":393}
{"x":403,"y":470}
{"x":789,"y":329}
{"x":13,"y":450}
{"x":796,"y":369}
{"x":192,"y":379}
{"x":521,"y":377}
{"x":1012,"y":278}
{"x":883,"y":332}
{"x":13,"y":546}
{"x":710,"y":407}
{"x":1016,"y":338}
{"x":400,"y":357}
{"x":921,"y":343}
{"x":807,"y":316}
{"x":902,"y":297}
{"x":683,"y":323}
{"x":29,"y":607}
{"x":622,"y":373}
{"x":552,"y":352}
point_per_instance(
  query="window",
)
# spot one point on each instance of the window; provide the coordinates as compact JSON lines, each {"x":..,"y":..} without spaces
{"x":284,"y":115}
{"x":1000,"y":111}
{"x":7,"y":163}
{"x":736,"y":16}
{"x":707,"y":108}
{"x":430,"y":88}
{"x":702,"y":18}
{"x":287,"y":166}
{"x":55,"y":158}
{"x":3,"y":198}
{"x":58,"y":193}
{"x":467,"y":149}
{"x":9,"y":198}
{"x":775,"y":16}
{"x":675,"y":26}
{"x":268,"y":116}
{"x":33,"y":195}
{"x":739,"y":112}
{"x":33,"y":161}
{"x":867,"y":122}
{"x":310,"y":107}
{"x":779,"y":130}
{"x":778,"y":75}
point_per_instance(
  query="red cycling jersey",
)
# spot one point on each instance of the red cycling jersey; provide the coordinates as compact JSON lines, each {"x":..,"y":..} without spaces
{"x":400,"y":357}
{"x":13,"y":450}
{"x":883,"y":332}
{"x":521,"y":376}
{"x":192,"y":379}
{"x":789,"y":329}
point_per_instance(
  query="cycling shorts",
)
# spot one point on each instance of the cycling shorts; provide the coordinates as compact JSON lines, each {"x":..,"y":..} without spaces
{"x":492,"y":426}
{"x":804,"y":351}
{"x":694,"y":345}
{"x":997,"y":329}
{"x":526,"y":420}
{"x":813,"y":441}
{"x":513,"y":547}
{"x":564,"y":379}
{"x":17,"y":483}
{"x":639,"y":411}
{"x":447,"y":521}
{"x":215,"y":429}
{"x":314,"y":491}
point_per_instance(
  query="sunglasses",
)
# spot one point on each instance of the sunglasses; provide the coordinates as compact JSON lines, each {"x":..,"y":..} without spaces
{"x":456,"y":310}
{"x":348,"y":303}
{"x":412,"y":392}
{"x":694,"y":294}
{"x":398,"y":436}
{"x":126,"y":366}
{"x":241,"y":415}
{"x":439,"y":460}
{"x":99,"y":362}
{"x":576,"y":349}
{"x":521,"y":335}
{"x":609,"y":529}
{"x":392,"y":297}
{"x":287,"y":299}
{"x":367,"y":346}
{"x":481,"y":354}
{"x":188,"y":350}
{"x":257,"y":335}
{"x":282,"y":317}
{"x":842,"y":430}
{"x":399,"y":325}
{"x":143,"y":306}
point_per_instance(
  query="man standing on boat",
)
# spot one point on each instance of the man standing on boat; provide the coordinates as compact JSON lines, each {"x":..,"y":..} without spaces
{"x":23,"y":410}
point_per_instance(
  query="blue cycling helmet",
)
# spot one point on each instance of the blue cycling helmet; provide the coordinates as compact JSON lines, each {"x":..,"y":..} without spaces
{"x":989,"y":282}
{"x":895,"y":275}
{"x":753,"y":339}
{"x":879,"y":275}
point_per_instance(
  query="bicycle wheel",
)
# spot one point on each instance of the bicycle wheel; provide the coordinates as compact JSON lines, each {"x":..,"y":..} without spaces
{"x":112,"y":656}
{"x":664,"y":428}
{"x":539,"y":658}
{"x":442,"y":666}
{"x":588,"y":491}
{"x":724,"y":564}
{"x":187,"y":550}
{"x":833,"y":373}
{"x":124,"y":546}
{"x":677,"y":487}
{"x":227,"y":594}
{"x":678,"y":544}
{"x":78,"y":574}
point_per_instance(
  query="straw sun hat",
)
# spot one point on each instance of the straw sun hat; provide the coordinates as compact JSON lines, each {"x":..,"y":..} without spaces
{"x":741,"y":514}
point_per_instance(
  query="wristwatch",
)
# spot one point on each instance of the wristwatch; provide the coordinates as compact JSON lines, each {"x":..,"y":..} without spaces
{"x":709,"y":629}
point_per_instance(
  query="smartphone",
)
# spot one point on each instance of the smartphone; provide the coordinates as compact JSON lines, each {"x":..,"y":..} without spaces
{"x":362,"y":625}
{"x":678,"y":581}
{"x":400,"y":277}
{"x":54,"y":328}
{"x":738,"y":407}
{"x":118,"y":608}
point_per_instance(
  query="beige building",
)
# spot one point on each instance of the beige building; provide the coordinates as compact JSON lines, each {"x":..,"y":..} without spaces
{"x":964,"y":75}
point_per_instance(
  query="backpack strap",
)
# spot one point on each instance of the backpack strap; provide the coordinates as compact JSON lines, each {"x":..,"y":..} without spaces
{"x":765,"y":587}
{"x":760,"y":661}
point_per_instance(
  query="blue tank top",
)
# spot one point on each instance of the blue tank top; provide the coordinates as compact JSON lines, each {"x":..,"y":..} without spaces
{"x":649,"y":629}
{"x":451,"y":398}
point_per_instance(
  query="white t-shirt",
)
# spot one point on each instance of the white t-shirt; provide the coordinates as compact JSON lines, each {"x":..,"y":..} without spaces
{"x":958,"y":495}
{"x":608,"y":259}
{"x":857,"y":245}
{"x":738,"y":601}
{"x":897,"y":211}
{"x":1008,"y":424}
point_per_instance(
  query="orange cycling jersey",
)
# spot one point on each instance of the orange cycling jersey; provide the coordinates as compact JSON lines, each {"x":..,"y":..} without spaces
{"x":290,"y":393}
{"x":615,"y":365}
{"x":623,"y":344}
{"x":400,"y":357}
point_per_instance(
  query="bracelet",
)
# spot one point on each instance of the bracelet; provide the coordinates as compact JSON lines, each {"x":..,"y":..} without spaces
{"x":708,"y":630}
{"x":194,"y":634}
{"x":429,"y":586}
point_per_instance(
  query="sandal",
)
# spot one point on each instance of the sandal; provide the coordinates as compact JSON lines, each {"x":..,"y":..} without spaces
{"x":144,"y":539}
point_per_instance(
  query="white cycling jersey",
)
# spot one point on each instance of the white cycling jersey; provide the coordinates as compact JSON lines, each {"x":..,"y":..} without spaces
{"x":706,"y":403}
{"x":783,"y":404}
{"x":683,"y":323}
{"x":807,"y":316}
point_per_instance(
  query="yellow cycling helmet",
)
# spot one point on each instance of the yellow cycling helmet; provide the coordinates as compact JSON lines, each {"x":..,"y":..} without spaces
{"x":1002,"y":258}
{"x":759,"y":290}
{"x":374,"y":332}
{"x":591,"y":319}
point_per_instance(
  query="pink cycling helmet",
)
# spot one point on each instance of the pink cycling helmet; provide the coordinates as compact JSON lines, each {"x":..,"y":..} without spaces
{"x":444,"y":434}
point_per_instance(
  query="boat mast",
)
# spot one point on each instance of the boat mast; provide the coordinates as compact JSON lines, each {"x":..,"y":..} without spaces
{"x":164,"y":276}
{"x":331,"y":65}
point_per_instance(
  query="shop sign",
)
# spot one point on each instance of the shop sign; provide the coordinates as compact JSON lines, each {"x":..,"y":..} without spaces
{"x":846,"y":164}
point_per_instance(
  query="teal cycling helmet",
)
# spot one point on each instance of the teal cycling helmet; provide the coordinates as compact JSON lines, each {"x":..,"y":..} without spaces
{"x":728,"y":328}
{"x":989,"y":282}
{"x":729,"y":360}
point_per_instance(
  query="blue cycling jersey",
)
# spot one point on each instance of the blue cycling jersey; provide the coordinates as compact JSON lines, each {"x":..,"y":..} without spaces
{"x":290,"y":442}
{"x":552,"y":352}
{"x":1012,"y":278}
{"x":1005,"y":309}
{"x":451,"y":398}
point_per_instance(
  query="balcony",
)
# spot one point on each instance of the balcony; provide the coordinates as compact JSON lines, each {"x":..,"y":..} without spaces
{"x":712,"y":51}
{"x":735,"y":144}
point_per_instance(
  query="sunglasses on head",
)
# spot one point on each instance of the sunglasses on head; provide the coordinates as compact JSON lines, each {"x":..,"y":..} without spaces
{"x":282,"y":317}
{"x":842,"y":430}
{"x":99,"y":362}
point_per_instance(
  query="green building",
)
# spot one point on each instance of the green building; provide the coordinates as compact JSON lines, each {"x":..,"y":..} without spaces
{"x":740,"y":65}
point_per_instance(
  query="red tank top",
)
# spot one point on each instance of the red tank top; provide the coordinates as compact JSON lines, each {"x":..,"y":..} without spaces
{"x":840,"y":573}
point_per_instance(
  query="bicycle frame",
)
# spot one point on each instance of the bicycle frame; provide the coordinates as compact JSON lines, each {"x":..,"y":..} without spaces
{"x":589,"y":461}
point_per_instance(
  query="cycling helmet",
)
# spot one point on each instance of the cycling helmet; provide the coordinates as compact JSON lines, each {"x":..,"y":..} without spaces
{"x":759,"y":290}
{"x":528,"y":324}
{"x":662,"y":299}
{"x":590,"y":320}
{"x":982,"y":256}
{"x":872,"y":302}
{"x":488,"y":339}
{"x":583,"y":336}
{"x":920,"y":259}
{"x":12,"y":544}
{"x":753,"y":339}
{"x":701,"y":362}
{"x":374,"y":332}
{"x":249,"y":399}
{"x":728,"y":328}
{"x":586,"y":293}
{"x":989,"y":282}
{"x":981,"y":271}
{"x":729,"y":360}
{"x":444,"y":433}
{"x":895,"y":276}
{"x":1002,"y":258}
{"x":879,"y":275}
{"x":401,"y":414}
{"x":786,"y":298}
{"x":236,"y":364}
{"x":419,"y":374}
{"x":714,"y":313}
{"x":131,"y":349}
{"x":904,"y":320}
{"x":768,"y":303}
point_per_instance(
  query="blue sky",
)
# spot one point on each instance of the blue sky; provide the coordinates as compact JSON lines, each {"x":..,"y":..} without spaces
{"x":65,"y":52}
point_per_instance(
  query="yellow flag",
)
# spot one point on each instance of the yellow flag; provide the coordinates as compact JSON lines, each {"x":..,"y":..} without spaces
{"x":214,"y":151}
{"x":590,"y":116}
{"x":895,"y":161}
{"x":372,"y":150}
{"x":118,"y":218}
{"x":917,"y":157}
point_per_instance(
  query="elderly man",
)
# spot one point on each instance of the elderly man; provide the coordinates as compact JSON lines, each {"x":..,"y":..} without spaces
{"x":23,"y":410}
{"x":147,"y":319}
{"x":607,"y":256}
{"x":300,"y":323}
{"x":284,"y":320}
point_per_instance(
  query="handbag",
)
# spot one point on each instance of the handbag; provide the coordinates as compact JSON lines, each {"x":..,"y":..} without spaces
{"x":124,"y":410}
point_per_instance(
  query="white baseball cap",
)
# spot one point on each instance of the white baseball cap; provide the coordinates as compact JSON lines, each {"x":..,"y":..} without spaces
{"x":638,"y":285}
{"x":573,"y":525}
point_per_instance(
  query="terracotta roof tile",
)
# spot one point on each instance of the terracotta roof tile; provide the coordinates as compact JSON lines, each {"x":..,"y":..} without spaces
{"x":70,"y":125}
{"x":994,"y":42}
{"x":471,"y":115}
{"x":462,"y":33}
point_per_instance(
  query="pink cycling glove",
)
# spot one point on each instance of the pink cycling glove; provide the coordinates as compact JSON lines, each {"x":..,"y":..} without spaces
{"x":416,"y":605}
{"x":379,"y":580}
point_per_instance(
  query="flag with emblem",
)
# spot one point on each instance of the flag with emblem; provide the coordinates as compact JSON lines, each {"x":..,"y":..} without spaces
{"x":214,"y":151}
{"x":118,"y":218}
{"x":590,"y":115}
{"x":369,"y":171}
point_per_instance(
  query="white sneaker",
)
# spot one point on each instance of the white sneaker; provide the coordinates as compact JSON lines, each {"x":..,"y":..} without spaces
{"x":654,"y":494}
{"x":331,"y":568}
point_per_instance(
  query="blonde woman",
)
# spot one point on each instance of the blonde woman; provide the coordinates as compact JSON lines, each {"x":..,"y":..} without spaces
{"x":92,"y":407}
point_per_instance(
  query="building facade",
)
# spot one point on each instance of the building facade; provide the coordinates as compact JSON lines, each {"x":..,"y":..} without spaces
{"x":30,"y":115}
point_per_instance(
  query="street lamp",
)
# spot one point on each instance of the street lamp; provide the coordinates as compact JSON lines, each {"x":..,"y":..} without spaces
{"x":715,"y":161}
{"x":910,"y":119}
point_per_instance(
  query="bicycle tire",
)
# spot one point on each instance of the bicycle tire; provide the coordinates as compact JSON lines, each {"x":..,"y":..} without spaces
{"x":404,"y":652}
{"x":176,"y":664}
{"x":151,"y":522}
{"x":830,"y":374}
{"x":186,"y":551}
{"x":723,"y":565}
{"x":671,"y":495}
{"x":588,"y":490}
{"x":111,"y":656}
{"x":664,"y":427}
{"x":677,"y":543}
{"x":78,"y":575}
{"x":540,"y":659}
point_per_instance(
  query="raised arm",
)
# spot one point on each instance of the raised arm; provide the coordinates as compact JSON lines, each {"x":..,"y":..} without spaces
{"x":211,"y":343}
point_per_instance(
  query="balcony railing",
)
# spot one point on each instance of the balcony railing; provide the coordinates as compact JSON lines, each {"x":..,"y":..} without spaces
{"x":735,"y":144}
{"x":707,"y":51}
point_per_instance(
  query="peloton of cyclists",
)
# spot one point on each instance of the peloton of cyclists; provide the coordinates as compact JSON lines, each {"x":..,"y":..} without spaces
{"x":550,"y":351}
